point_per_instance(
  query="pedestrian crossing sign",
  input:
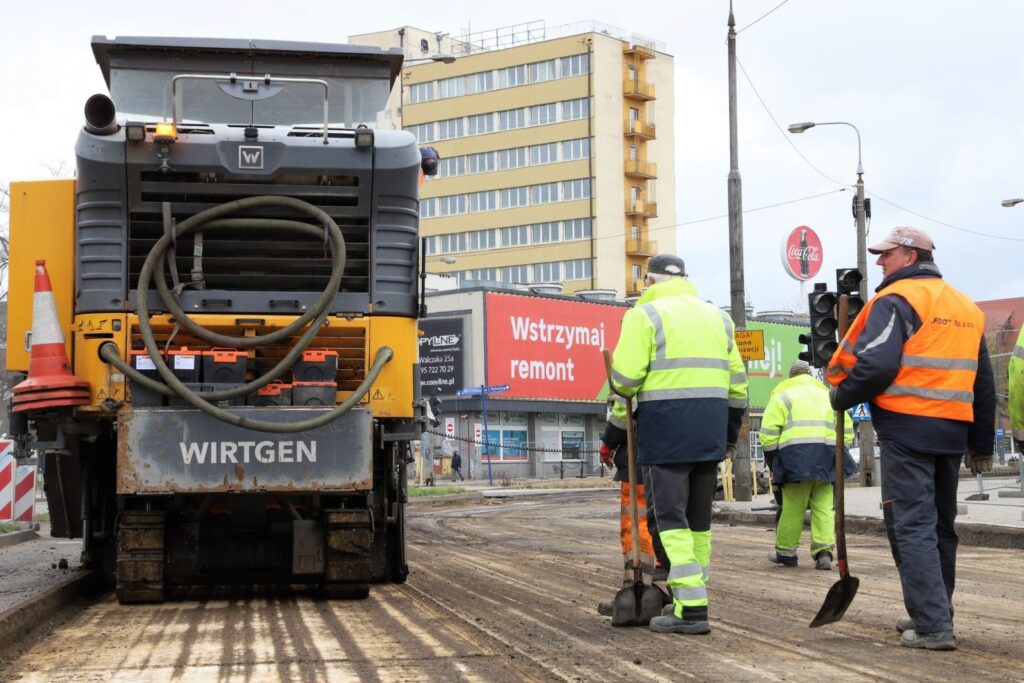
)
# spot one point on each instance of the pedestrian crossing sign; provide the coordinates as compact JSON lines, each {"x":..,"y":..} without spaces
{"x":861,"y":412}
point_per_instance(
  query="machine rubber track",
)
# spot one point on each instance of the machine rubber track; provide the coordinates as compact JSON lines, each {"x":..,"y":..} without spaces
{"x":349,"y":535}
{"x":140,"y":556}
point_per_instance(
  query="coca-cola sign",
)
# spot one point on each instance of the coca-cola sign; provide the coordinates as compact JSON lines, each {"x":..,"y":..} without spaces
{"x":801,"y":253}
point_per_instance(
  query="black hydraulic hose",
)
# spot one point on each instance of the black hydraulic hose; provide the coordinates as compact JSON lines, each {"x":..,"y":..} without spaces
{"x":218,"y":217}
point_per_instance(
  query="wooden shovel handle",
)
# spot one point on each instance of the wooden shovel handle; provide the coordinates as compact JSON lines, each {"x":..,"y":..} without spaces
{"x":840,"y":459}
{"x":631,"y":460}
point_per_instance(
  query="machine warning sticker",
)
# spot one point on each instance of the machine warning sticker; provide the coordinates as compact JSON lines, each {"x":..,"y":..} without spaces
{"x":183,"y":362}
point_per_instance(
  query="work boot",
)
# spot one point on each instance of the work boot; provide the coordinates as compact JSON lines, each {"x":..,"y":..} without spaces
{"x":784,"y":560}
{"x":943,"y":640}
{"x":606,"y":608}
{"x":904,"y":624}
{"x":824,"y":561}
{"x":670,"y":623}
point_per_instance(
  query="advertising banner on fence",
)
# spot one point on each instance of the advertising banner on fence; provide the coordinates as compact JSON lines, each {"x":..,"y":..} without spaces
{"x":442,"y":353}
{"x":547,"y":348}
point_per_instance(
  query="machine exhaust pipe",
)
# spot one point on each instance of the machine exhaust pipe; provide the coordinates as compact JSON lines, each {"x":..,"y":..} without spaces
{"x":100,"y":115}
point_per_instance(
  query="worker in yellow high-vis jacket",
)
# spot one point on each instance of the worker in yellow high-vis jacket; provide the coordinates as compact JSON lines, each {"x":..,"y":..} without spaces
{"x":678,"y":358}
{"x":798,"y":431}
{"x":1017,"y":393}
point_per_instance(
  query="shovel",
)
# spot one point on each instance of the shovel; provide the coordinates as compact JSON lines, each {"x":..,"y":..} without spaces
{"x":841,"y":594}
{"x":637,"y":604}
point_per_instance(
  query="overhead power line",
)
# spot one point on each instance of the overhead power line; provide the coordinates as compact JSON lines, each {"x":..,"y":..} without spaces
{"x":762,"y":16}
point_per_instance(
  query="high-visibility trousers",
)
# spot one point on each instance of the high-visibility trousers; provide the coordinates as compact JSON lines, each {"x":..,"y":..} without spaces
{"x":647,"y":555}
{"x":796,"y":497}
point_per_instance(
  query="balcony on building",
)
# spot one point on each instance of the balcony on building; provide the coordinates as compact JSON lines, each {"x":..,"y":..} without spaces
{"x":638,"y":90}
{"x":641,"y":208}
{"x":641,"y":247}
{"x":640,"y":51}
{"x":639,"y":129}
{"x":637,"y":168}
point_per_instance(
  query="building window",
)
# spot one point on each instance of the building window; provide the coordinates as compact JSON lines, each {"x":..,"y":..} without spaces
{"x":489,"y":274}
{"x":428,"y":208}
{"x":511,"y":158}
{"x":515,"y":274}
{"x":481,"y":163}
{"x":543,"y":71}
{"x":547,"y":272}
{"x":575,"y":109}
{"x":451,"y":128}
{"x":424,"y":132}
{"x":483,"y":239}
{"x":544,"y":154}
{"x":452,"y":204}
{"x":483,"y":201}
{"x":545,"y":232}
{"x":451,"y":166}
{"x":479,"y":82}
{"x":577,"y":229}
{"x":513,"y":197}
{"x":421,"y":92}
{"x":481,"y":123}
{"x":578,"y":269}
{"x":511,"y":119}
{"x":452,"y":243}
{"x":544,"y":193}
{"x":575,"y":189}
{"x":543,"y":113}
{"x":510,"y":76}
{"x":576,"y":65}
{"x":430,"y":245}
{"x":636,"y":272}
{"x":515,"y":236}
{"x":576,"y":149}
{"x":452,"y":87}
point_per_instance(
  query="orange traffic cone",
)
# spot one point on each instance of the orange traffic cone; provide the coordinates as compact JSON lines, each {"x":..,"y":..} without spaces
{"x":50,"y":382}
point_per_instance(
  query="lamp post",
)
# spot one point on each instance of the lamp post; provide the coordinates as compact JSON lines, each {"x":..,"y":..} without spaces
{"x":867,"y":434}
{"x":1012,"y":202}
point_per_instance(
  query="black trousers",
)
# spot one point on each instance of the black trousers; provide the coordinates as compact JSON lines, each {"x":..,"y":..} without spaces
{"x":919,"y":506}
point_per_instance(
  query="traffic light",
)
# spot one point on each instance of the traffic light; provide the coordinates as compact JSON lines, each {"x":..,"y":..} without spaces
{"x":848,"y":282}
{"x":821,"y":342}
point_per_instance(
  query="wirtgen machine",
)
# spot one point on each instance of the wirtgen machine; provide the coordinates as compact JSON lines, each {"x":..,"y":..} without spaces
{"x":234,"y":270}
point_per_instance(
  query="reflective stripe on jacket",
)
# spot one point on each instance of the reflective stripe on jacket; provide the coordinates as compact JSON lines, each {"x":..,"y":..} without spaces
{"x":677,"y":356}
{"x":940,"y":360}
{"x":1017,"y":389}
{"x":799,"y":426}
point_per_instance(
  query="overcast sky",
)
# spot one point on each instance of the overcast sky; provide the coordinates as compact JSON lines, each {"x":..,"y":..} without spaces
{"x":935,"y":87}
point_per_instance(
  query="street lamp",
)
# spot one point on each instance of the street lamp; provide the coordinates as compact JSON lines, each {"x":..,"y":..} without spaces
{"x":862,"y":258}
{"x":867,"y":434}
{"x":1012,"y":202}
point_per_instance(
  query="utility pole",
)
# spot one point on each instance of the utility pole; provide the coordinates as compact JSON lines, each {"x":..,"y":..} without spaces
{"x":737,"y":296}
{"x":865,"y":430}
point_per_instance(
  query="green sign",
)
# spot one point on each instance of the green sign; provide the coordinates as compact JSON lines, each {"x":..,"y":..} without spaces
{"x":780,"y":351}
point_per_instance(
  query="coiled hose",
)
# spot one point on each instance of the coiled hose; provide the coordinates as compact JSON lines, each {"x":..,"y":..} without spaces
{"x":218,"y":218}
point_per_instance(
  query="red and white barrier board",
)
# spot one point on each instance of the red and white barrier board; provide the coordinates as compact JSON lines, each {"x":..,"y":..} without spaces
{"x":17,"y":487}
{"x":7,"y":468}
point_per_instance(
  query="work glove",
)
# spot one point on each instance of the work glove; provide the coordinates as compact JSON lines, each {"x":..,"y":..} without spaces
{"x":607,"y":455}
{"x":730,"y":451}
{"x":978,"y":463}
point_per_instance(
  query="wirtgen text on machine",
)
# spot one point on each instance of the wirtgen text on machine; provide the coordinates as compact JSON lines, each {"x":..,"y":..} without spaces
{"x":244,"y":452}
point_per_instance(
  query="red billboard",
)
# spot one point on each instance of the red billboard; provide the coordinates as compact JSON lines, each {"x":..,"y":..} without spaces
{"x":801,"y":253}
{"x":547,"y":348}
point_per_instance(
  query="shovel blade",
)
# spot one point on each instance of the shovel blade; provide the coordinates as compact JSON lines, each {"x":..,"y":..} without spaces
{"x":626,"y":607}
{"x":636,"y":605}
{"x":839,"y":597}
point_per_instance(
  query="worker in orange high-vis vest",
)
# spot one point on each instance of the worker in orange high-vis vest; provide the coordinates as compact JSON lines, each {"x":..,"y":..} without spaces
{"x":917,"y":353}
{"x":653,"y":560}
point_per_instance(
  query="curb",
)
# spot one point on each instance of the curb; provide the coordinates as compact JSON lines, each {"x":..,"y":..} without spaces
{"x":16,"y":537}
{"x":23,"y":619}
{"x":469,"y":498}
{"x":986,"y":535}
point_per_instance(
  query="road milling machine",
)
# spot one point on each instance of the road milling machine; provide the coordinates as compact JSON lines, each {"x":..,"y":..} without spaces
{"x":234,"y":275}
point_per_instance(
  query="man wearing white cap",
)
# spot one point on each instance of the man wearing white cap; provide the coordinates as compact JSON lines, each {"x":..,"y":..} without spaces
{"x":917,"y":353}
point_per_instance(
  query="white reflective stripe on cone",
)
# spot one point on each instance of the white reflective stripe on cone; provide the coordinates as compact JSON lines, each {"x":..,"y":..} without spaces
{"x":45,"y":326}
